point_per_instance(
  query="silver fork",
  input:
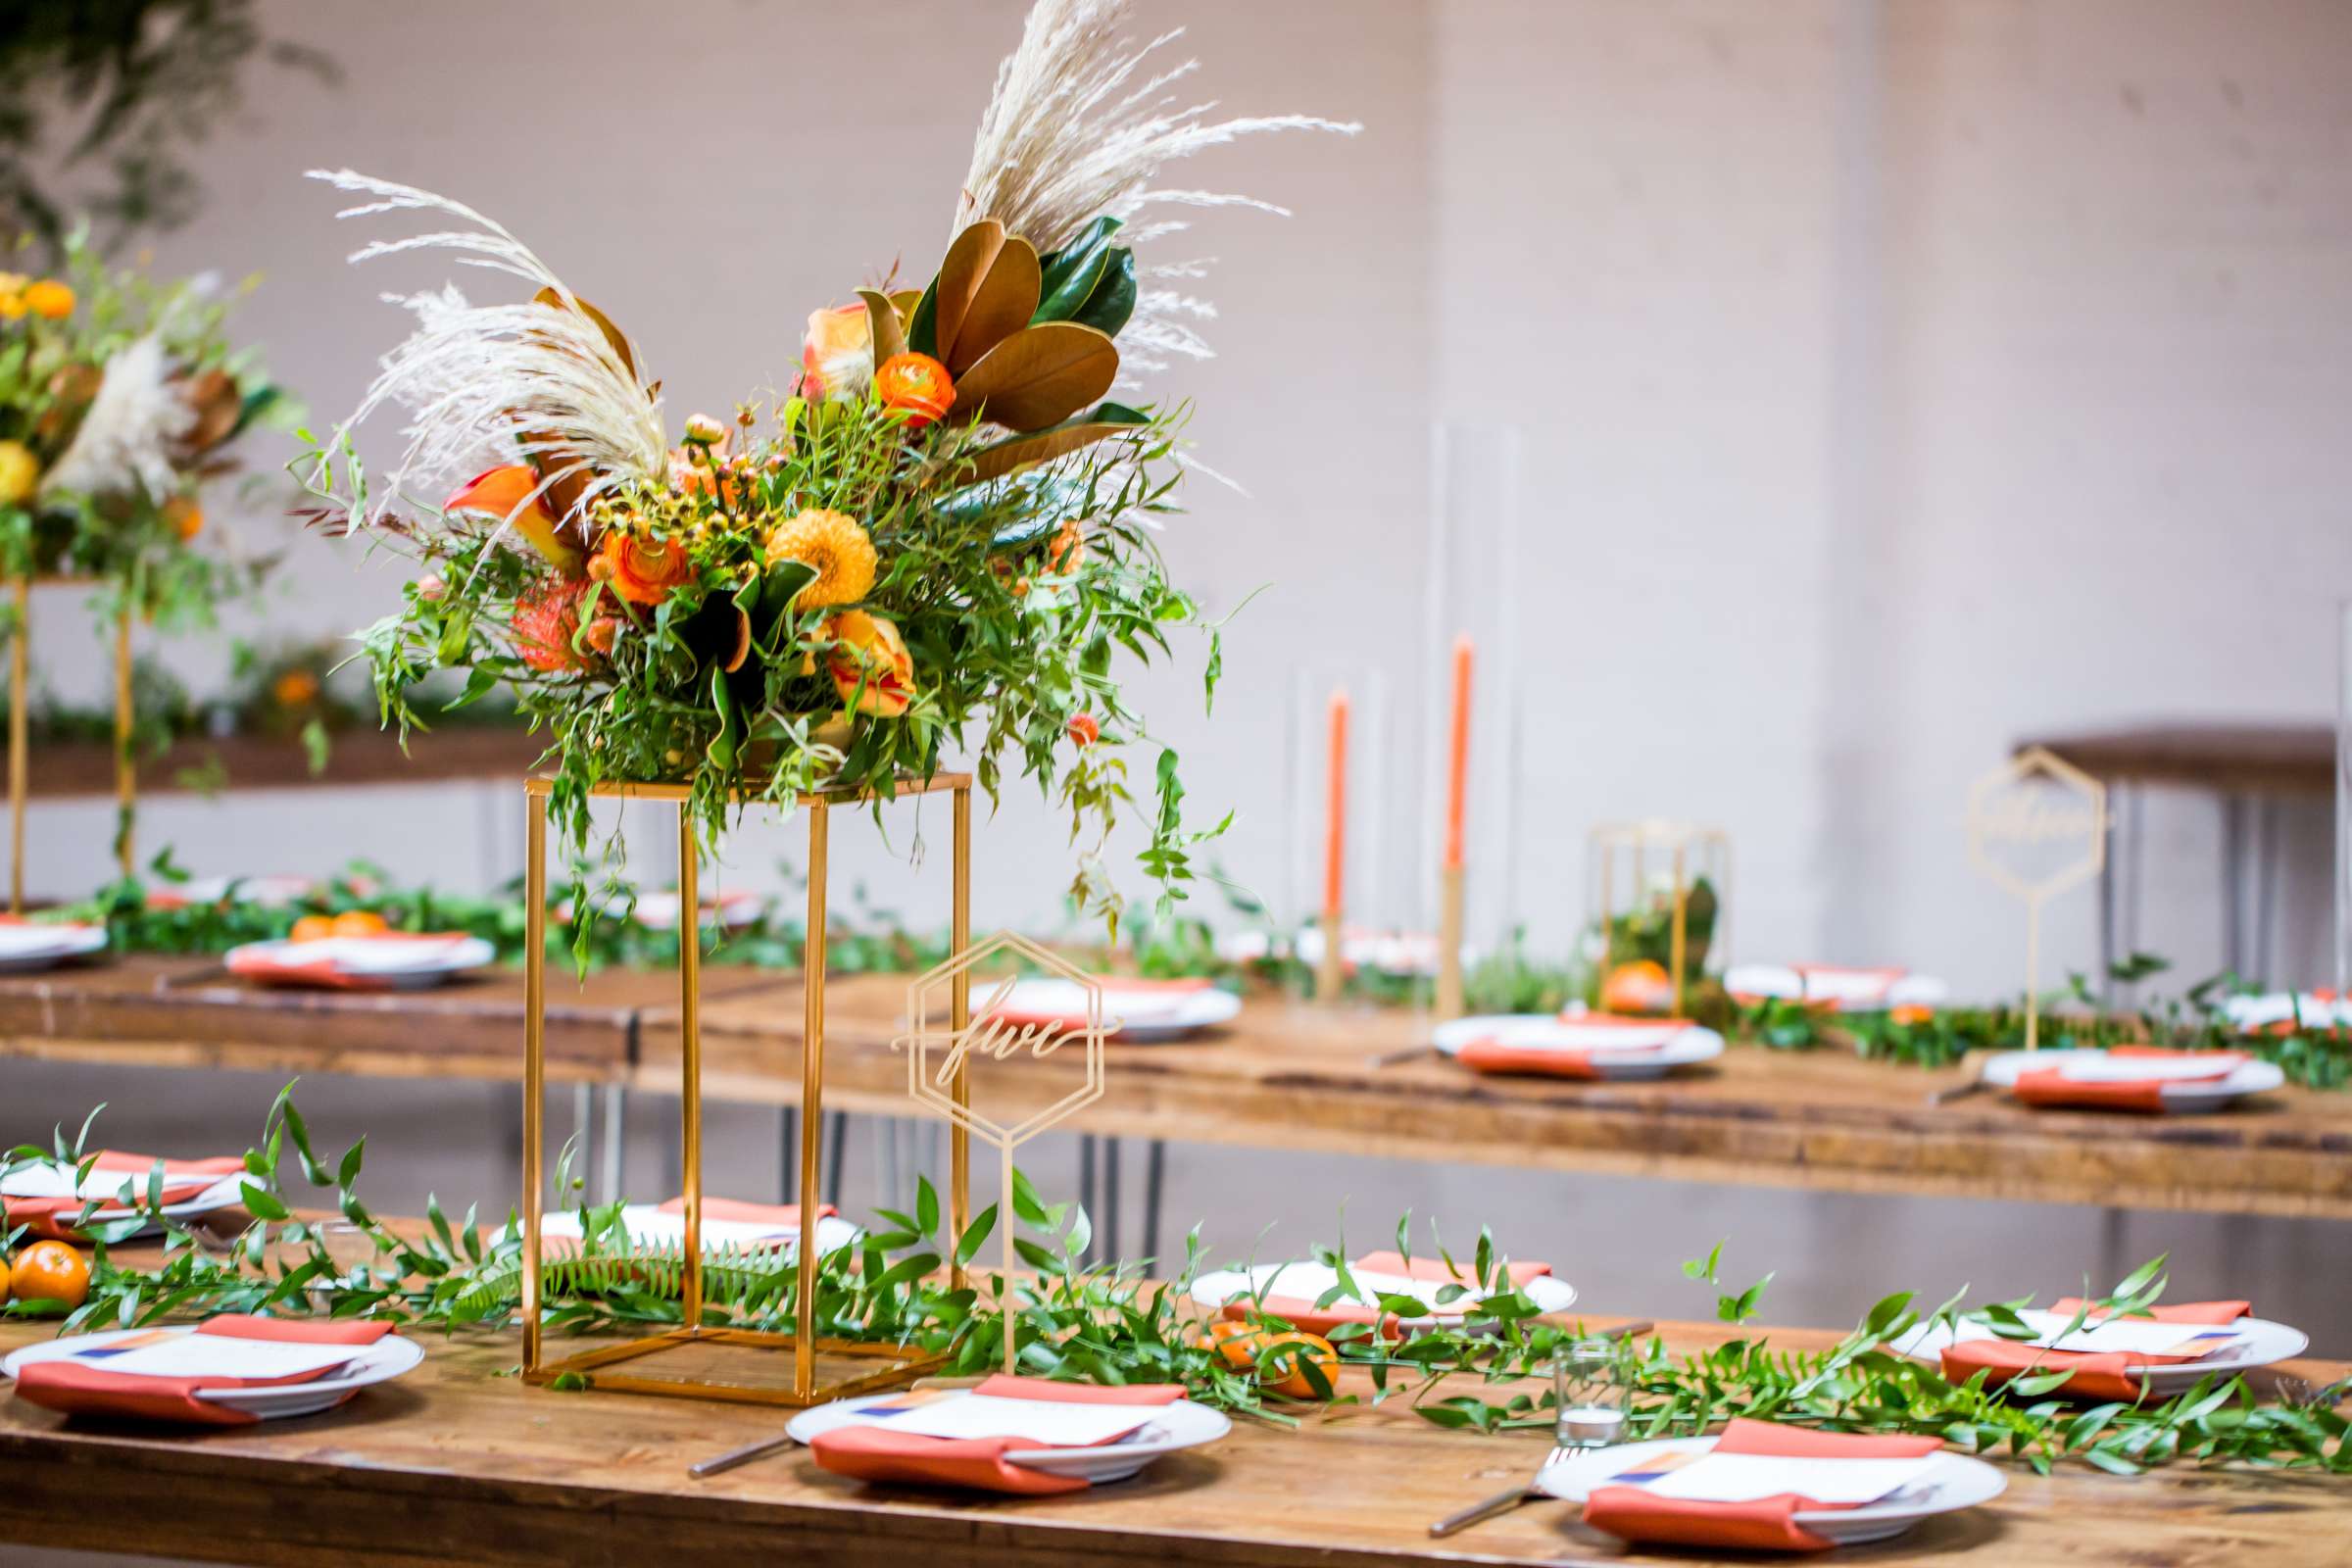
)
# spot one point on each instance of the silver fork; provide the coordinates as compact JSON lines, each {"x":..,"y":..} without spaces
{"x":2303,"y":1394}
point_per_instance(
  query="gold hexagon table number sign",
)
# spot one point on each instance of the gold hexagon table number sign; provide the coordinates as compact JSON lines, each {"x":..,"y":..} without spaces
{"x":2036,"y":827}
{"x":854,"y":1366}
{"x":939,"y":1065}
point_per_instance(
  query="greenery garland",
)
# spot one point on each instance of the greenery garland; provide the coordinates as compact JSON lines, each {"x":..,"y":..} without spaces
{"x":1108,"y":1324}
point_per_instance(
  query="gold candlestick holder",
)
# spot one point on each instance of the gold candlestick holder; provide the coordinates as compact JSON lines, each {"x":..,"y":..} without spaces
{"x":20,"y":701}
{"x":1690,"y":855}
{"x":864,"y":1367}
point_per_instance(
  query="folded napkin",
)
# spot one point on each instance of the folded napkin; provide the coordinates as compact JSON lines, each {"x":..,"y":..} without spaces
{"x":79,"y":1389}
{"x":286,"y":964}
{"x":1765,"y":1524}
{"x":877,"y":1454}
{"x":183,"y":1178}
{"x":1500,"y":1055}
{"x":2050,"y":1086}
{"x":1303,"y":1314}
{"x":2097,"y":1374}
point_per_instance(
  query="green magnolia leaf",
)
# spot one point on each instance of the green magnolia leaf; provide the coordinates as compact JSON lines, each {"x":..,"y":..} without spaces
{"x":1070,"y":276}
{"x":1112,"y":300}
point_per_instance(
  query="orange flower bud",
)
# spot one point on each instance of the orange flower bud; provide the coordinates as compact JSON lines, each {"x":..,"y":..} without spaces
{"x":702,"y":430}
{"x":1084,"y":732}
{"x":917,"y":385}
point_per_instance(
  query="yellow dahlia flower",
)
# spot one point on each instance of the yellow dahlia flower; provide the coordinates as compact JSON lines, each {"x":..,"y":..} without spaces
{"x":835,"y":546}
{"x":19,"y":469}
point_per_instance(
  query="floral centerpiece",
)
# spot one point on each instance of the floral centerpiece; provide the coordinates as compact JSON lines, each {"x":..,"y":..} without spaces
{"x":118,"y":399}
{"x":939,"y":537}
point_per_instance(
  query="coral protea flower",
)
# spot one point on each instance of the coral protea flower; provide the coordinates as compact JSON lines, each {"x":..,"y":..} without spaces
{"x":544,"y":623}
{"x":917,"y":385}
{"x":641,"y":570}
{"x":869,"y":662}
{"x":835,"y":546}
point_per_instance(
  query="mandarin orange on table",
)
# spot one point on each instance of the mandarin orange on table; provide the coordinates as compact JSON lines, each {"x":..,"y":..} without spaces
{"x":1642,"y":986}
{"x":51,"y":1271}
{"x":361,"y":924}
{"x":313,"y":928}
{"x":3,"y":1279}
{"x":1283,"y":1360}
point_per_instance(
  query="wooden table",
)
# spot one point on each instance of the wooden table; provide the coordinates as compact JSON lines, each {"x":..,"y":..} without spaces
{"x":355,"y":757}
{"x":1296,"y":1077}
{"x":456,"y":1463}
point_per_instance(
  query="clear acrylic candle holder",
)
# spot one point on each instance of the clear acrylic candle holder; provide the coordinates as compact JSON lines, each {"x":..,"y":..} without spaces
{"x":1592,"y":1384}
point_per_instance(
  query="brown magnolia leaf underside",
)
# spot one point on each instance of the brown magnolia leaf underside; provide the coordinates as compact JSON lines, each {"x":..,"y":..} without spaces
{"x":614,"y":335}
{"x":959,"y":276}
{"x":1005,"y":300}
{"x":882,"y":320}
{"x":1028,"y":451}
{"x":1040,"y":375}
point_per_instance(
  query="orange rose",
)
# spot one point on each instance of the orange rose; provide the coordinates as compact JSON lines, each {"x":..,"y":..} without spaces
{"x":1084,"y":732}
{"x":296,"y":688}
{"x":837,"y":356}
{"x":641,"y":570}
{"x":917,"y":385}
{"x":49,"y":298}
{"x":869,"y":654}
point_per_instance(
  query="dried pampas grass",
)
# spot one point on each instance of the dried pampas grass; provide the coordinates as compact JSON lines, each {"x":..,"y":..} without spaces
{"x":126,"y":436}
{"x":485,"y":383}
{"x":1079,"y":126}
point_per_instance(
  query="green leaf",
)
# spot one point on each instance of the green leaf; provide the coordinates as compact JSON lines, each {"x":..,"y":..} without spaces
{"x":263,"y":1204}
{"x":975,"y":1234}
{"x":922,"y":328}
{"x":1068,"y":278}
{"x":1111,"y":301}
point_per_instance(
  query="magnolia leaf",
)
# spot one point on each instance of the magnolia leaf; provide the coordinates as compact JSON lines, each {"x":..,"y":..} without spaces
{"x":1020,"y":452}
{"x":1113,"y":301}
{"x":961,"y":274}
{"x":781,"y":583}
{"x":1001,"y":306}
{"x":1073,"y":272}
{"x":1039,"y":376}
{"x":554,"y":300}
{"x":882,"y":319}
{"x":721,"y":749}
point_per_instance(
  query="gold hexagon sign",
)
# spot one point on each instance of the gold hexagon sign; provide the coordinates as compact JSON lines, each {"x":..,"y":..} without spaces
{"x":939,"y":1060}
{"x":2037,"y":826}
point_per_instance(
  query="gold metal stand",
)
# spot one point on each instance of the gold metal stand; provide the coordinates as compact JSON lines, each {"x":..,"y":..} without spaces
{"x":1449,"y":942}
{"x":890,"y":1365}
{"x":20,"y":702}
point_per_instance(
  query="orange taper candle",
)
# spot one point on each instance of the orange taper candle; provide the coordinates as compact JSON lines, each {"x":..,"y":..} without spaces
{"x":1458,"y":764}
{"x":1335,"y":827}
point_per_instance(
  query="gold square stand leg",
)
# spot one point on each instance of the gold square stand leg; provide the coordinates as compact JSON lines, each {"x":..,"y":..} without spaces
{"x":868,"y":1366}
{"x":19,"y":703}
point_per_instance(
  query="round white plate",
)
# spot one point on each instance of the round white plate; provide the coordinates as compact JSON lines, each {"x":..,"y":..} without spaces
{"x":2265,"y":1343}
{"x":269,"y":892}
{"x":2287,"y":1010}
{"x":1844,"y":990}
{"x":26,"y":947}
{"x":385,"y":1359}
{"x":1956,"y":1482}
{"x":659,"y":912}
{"x":2001,"y":1070}
{"x":226,"y":1192}
{"x":1308,"y":1281}
{"x":647,"y":1224}
{"x":386,"y":965}
{"x":1619,"y":1051}
{"x":1182,"y":1425}
{"x":1140,"y":1015}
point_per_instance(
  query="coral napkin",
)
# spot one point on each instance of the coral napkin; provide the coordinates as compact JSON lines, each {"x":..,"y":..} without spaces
{"x":78,"y":1389}
{"x":1764,"y":1524}
{"x":2097,"y":1375}
{"x":877,"y":1454}
{"x":1555,"y":1062}
{"x":183,"y":1178}
{"x":1303,"y":1314}
{"x":2050,"y":1086}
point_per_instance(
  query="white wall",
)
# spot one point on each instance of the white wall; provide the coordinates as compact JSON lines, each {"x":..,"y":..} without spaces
{"x":1895,"y":379}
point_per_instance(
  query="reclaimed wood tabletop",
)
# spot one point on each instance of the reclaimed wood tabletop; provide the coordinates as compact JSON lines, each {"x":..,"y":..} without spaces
{"x":460,"y":1462}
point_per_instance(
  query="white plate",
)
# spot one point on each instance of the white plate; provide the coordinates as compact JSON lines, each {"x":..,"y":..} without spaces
{"x":2250,"y":1077}
{"x":1956,"y":1481}
{"x":2309,"y":1009}
{"x":391,"y":964}
{"x":1617,"y":1052}
{"x":1308,"y":1281}
{"x":1138,"y":1015}
{"x":659,"y":912}
{"x":268,"y":892}
{"x":26,"y":947}
{"x":2265,"y":1343}
{"x":226,"y":1192}
{"x":1182,"y":1425}
{"x":1844,"y":990}
{"x":385,"y":1359}
{"x":645,"y":1223}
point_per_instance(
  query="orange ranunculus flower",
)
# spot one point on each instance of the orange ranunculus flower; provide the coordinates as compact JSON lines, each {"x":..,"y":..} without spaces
{"x":837,"y":356}
{"x":917,"y":385}
{"x":185,"y":516}
{"x":867,"y":650}
{"x":641,"y":570}
{"x":544,"y":623}
{"x":1084,"y":732}
{"x":296,"y":688}
{"x":48,"y":297}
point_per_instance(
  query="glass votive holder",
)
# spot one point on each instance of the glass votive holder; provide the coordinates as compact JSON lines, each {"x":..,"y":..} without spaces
{"x":1591,"y":1386}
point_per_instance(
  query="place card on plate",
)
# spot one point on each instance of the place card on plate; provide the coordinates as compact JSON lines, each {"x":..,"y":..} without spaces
{"x":1747,"y":1477}
{"x":1050,"y":1424}
{"x":176,"y":1353}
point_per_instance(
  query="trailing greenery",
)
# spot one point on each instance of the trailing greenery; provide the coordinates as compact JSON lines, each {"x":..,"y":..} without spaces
{"x":1108,"y":1324}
